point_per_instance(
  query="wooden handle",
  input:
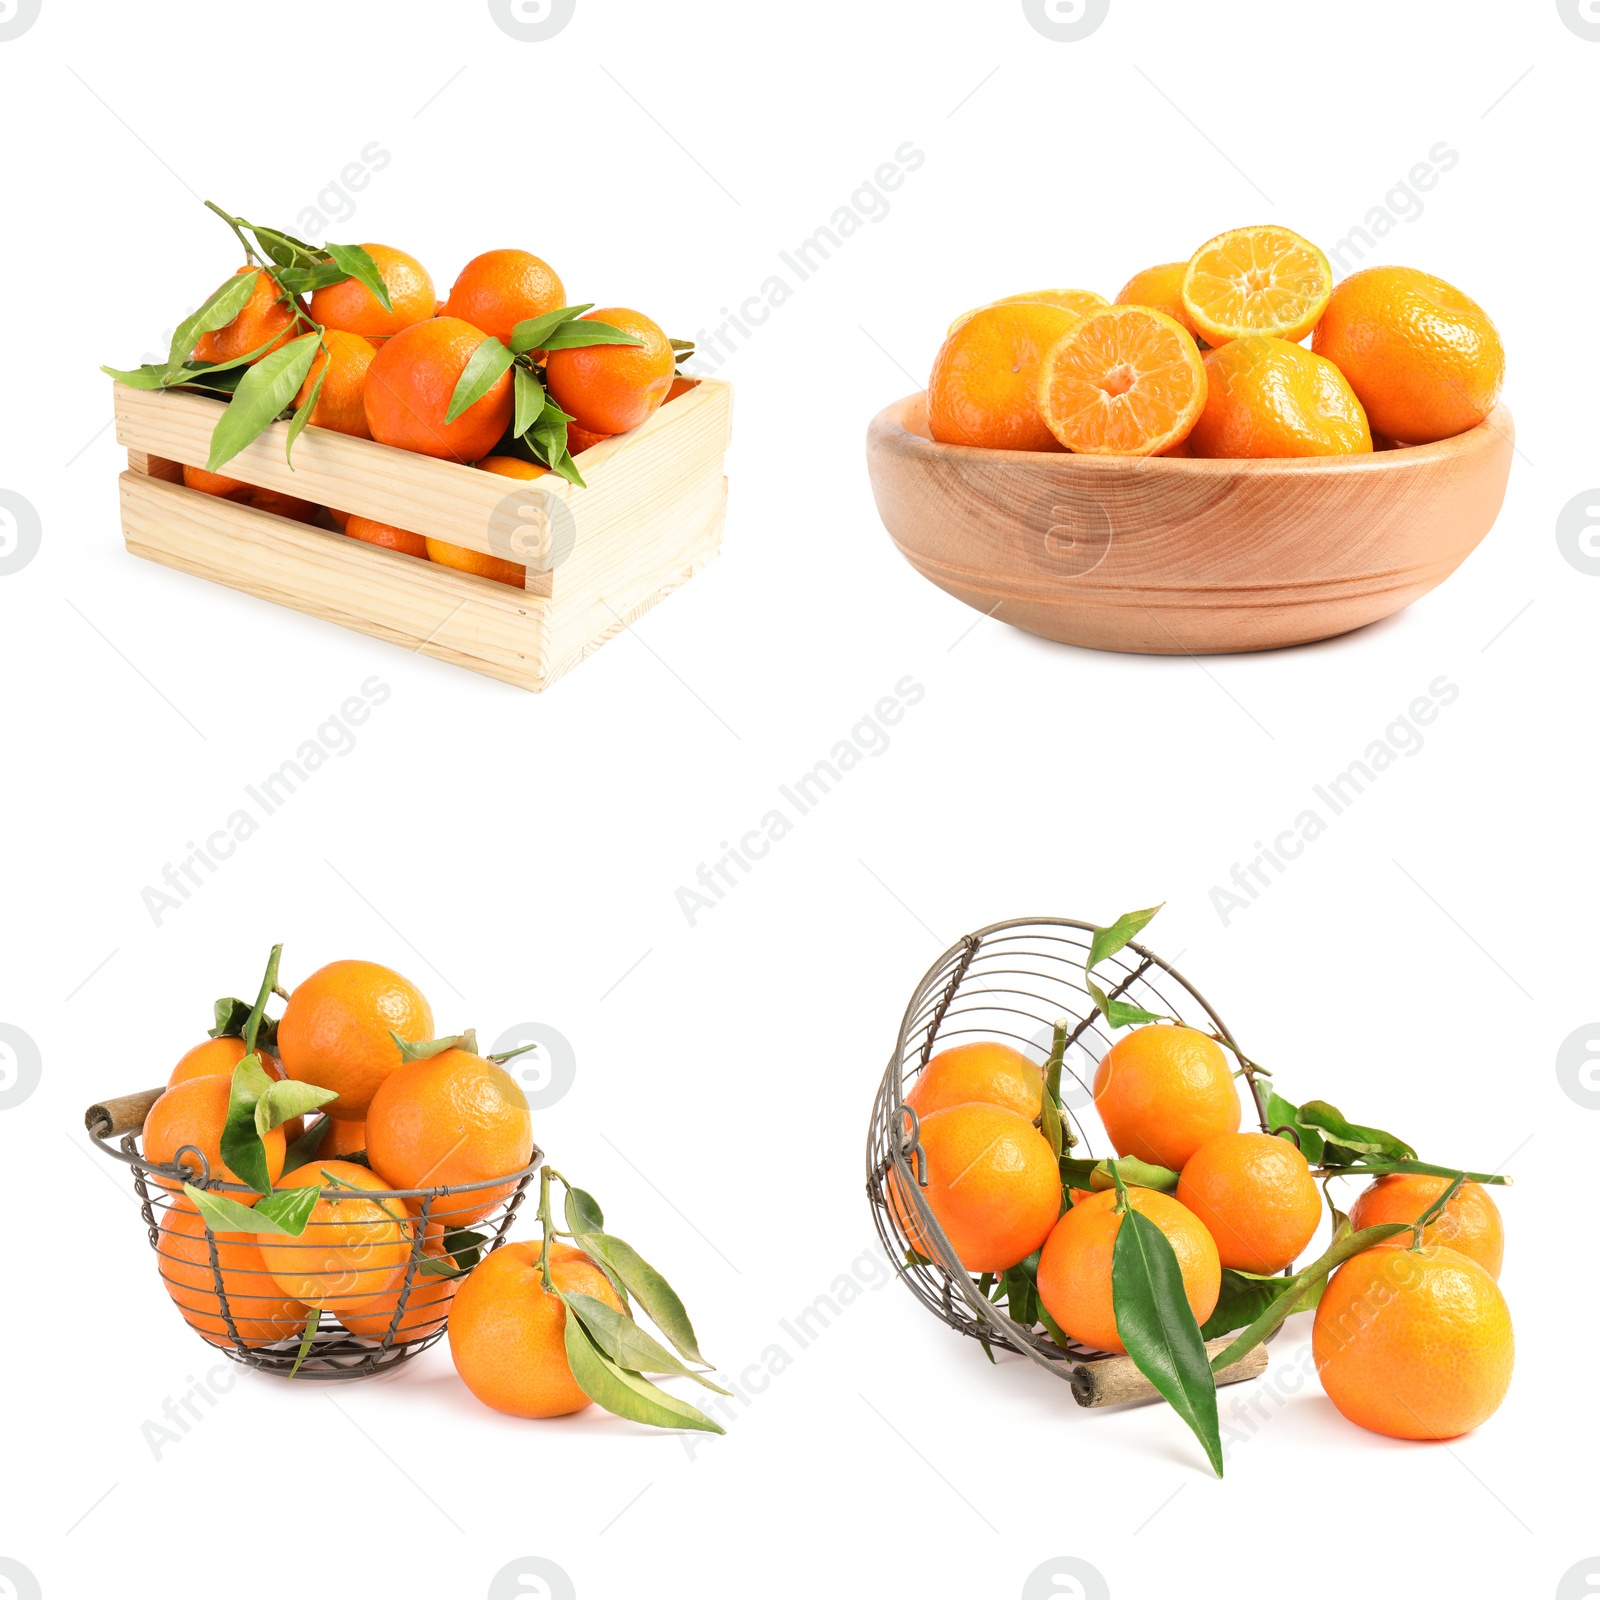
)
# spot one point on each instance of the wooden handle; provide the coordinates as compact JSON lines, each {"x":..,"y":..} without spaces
{"x":1115,"y":1381}
{"x":124,"y":1114}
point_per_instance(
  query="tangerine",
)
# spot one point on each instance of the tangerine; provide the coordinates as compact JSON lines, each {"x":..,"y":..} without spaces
{"x":410,"y":384}
{"x":1162,"y":1091}
{"x":194,"y":1113}
{"x":984,"y":1071}
{"x":354,"y":1247}
{"x":344,"y":358}
{"x":610,"y":388}
{"x":262,"y":1313}
{"x":351,"y":307}
{"x":1267,"y":397}
{"x":1470,"y":1223}
{"x":266,"y":313}
{"x":984,"y":389}
{"x":500,"y":288}
{"x":1256,"y":1197}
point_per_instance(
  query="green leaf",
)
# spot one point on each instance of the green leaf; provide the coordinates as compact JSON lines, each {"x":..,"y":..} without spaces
{"x":1108,"y":941}
{"x":1378,"y":1169}
{"x":229,"y":1017}
{"x":1281,"y":1114}
{"x":1021,"y":1293}
{"x":1244,"y":1296}
{"x":582,"y":1212}
{"x":626,"y":1394}
{"x":307,"y":280}
{"x":488,"y":364}
{"x":263,"y":392}
{"x":217,"y":312}
{"x":313,"y":1322}
{"x":1084,"y":1173}
{"x":531,"y":333}
{"x":565,"y":467}
{"x":463,"y":1249}
{"x":530,"y":398}
{"x":426,"y":1049}
{"x":655,"y":1295}
{"x":1119,"y":1013}
{"x":1156,"y":1325}
{"x":1352,"y":1136}
{"x":224,"y":1215}
{"x":288,"y":1098}
{"x":621,"y":1338}
{"x":297,"y":423}
{"x":548,"y":436}
{"x":285,"y":1211}
{"x":355,"y":263}
{"x":578,"y":335}
{"x":1273,"y":1314}
{"x":241,"y":1144}
{"x":305,"y":1148}
{"x":151,"y":376}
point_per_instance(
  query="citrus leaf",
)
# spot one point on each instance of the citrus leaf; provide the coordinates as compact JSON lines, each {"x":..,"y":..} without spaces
{"x":655,"y":1295}
{"x":229,"y":1016}
{"x":282,"y":249}
{"x":313,"y":1322}
{"x":621,"y":1338}
{"x":1244,"y":1296}
{"x":297,"y":423}
{"x":1352,"y":1135}
{"x":425,"y":1049}
{"x":263,"y":392}
{"x":1086,"y":1173}
{"x":356,"y":263}
{"x":216,"y":313}
{"x":1108,"y":941}
{"x":1158,"y":1329}
{"x":224,"y":1215}
{"x":150,"y":376}
{"x":1050,"y":1122}
{"x":286,"y":1211}
{"x":1273,"y":1314}
{"x":307,"y":280}
{"x":582,"y":1211}
{"x":241,"y":1144}
{"x":1378,"y":1169}
{"x":565,"y":467}
{"x":626,"y":1394}
{"x":288,"y":1098}
{"x":489,"y":361}
{"x":305,"y":1148}
{"x":1282,"y":1114}
{"x":530,"y":398}
{"x":1119,"y":1013}
{"x":577,"y":335}
{"x":531,"y":332}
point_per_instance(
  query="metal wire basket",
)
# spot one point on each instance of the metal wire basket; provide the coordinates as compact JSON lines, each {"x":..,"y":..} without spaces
{"x":1012,"y":982}
{"x":379,"y":1306}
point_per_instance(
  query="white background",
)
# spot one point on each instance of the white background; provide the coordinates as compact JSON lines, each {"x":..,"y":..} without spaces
{"x":519,"y":856}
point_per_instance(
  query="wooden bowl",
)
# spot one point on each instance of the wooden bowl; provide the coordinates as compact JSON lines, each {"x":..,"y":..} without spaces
{"x":1169,"y":556}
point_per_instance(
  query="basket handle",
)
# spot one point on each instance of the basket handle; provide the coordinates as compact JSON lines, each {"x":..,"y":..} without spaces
{"x":124,"y":1114}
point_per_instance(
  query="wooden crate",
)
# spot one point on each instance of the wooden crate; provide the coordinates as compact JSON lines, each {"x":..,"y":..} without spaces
{"x":597,"y":558}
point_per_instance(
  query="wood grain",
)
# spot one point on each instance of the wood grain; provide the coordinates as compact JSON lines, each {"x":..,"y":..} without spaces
{"x":1115,"y":1381}
{"x":650,"y":516}
{"x":124,"y":1114}
{"x":1168,"y":557}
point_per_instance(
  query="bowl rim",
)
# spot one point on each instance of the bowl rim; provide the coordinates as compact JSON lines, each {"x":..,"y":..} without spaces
{"x":888,"y":429}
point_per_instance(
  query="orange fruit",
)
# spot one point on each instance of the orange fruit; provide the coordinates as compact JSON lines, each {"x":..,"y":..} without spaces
{"x":341,"y":405}
{"x":507,"y":1335}
{"x":427,"y":1304}
{"x":1256,"y":280}
{"x":1162,"y":1091}
{"x":341,"y":519}
{"x":265,"y":313}
{"x":1424,"y":359}
{"x":501,"y":288}
{"x":262,"y":1313}
{"x":248,"y":494}
{"x":351,"y":306}
{"x":1267,"y":397}
{"x":984,"y":389}
{"x":353,"y":1248}
{"x":343,"y":1138}
{"x":409,"y":386}
{"x":217,"y":1058}
{"x":480,"y":562}
{"x":335,"y":1030}
{"x":195,"y":1112}
{"x":610,"y":388}
{"x":1080,"y":301}
{"x":1470,"y":1223}
{"x":1255,"y":1196}
{"x":1075,"y":1264}
{"x":1127,"y":381}
{"x":580,"y":439}
{"x":449,"y":1119}
{"x":1161,"y":289}
{"x":1414,"y":1344}
{"x":386,"y":535}
{"x":985,"y":1071}
{"x":993,"y":1184}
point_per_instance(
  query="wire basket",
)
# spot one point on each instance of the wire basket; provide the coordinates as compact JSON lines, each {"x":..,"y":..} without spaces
{"x":365,"y":1270}
{"x":1011,"y":982}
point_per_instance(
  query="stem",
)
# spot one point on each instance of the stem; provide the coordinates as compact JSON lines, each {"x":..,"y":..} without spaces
{"x":233,"y":222}
{"x":269,"y":984}
{"x":1434,"y":1210}
{"x":548,"y":1225}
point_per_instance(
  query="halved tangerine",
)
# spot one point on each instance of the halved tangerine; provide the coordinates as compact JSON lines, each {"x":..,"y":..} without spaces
{"x":1127,"y":381}
{"x":1256,"y":280}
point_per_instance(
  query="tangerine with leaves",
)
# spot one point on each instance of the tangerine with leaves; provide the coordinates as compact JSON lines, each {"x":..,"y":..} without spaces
{"x":1075,"y":1264}
{"x":610,"y":388}
{"x":1162,"y":1091}
{"x":194,"y":1112}
{"x":1413,"y":1343}
{"x":448,"y":1119}
{"x":1255,"y":1196}
{"x":262,"y":1313}
{"x":268,"y":318}
{"x":984,"y":1070}
{"x":410,"y":384}
{"x":1470,"y":1221}
{"x":500,"y":288}
{"x":216,"y":1058}
{"x":508,"y":1333}
{"x":354,"y":1247}
{"x":351,"y":307}
{"x":993,"y":1185}
{"x":335,"y":1031}
{"x":984,"y":389}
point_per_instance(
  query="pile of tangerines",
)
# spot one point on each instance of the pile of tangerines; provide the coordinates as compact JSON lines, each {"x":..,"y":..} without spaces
{"x":341,"y":1159}
{"x":501,"y":374}
{"x":1204,"y":358}
{"x":1412,"y":1336}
